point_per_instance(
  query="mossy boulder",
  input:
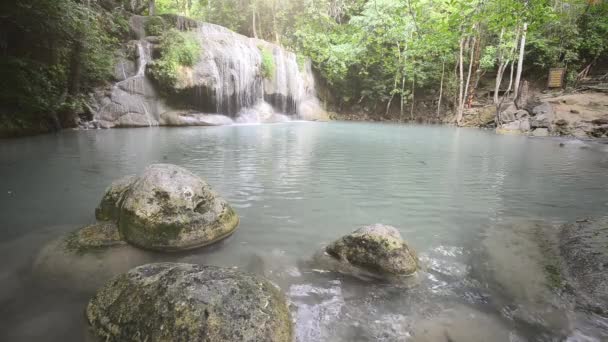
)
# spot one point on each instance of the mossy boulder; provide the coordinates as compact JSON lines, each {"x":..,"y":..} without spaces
{"x":186,"y":302}
{"x":378,"y":249}
{"x":109,"y":207}
{"x":168,"y":208}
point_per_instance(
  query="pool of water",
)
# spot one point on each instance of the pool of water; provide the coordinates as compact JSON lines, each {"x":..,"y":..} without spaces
{"x":296,"y":187}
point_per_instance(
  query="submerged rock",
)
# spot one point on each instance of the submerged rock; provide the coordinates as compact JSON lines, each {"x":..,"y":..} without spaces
{"x":461,"y":324}
{"x":86,"y":258}
{"x":524,"y":272}
{"x":185,"y":302}
{"x":378,"y":249}
{"x":168,"y":208}
{"x":584,"y":247}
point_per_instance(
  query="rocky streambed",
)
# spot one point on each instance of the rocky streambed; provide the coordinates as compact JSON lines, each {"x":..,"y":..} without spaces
{"x":545,"y":278}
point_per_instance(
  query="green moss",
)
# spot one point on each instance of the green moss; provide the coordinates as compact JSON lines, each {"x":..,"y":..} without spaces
{"x":268,"y":65}
{"x":155,"y":26}
{"x":177,"y":49}
{"x":301,"y":60}
{"x":93,"y":238}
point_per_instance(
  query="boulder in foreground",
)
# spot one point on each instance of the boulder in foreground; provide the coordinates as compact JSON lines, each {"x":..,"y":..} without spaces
{"x":378,"y":249}
{"x":186,"y":302}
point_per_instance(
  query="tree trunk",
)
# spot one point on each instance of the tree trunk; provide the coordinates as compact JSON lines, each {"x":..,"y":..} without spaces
{"x":471,"y":62}
{"x":75,"y":68}
{"x":413,"y":98}
{"x":255,"y":32}
{"x":501,"y":70}
{"x":520,"y":62}
{"x":402,"y":95}
{"x":476,"y":69}
{"x":152,"y":7}
{"x":460,"y":84}
{"x":441,"y":88}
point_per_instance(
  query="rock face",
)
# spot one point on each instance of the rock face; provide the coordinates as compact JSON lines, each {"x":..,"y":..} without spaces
{"x":580,"y":115}
{"x":584,"y":247}
{"x":167,"y":208}
{"x":378,"y":249}
{"x":185,"y":302}
{"x":229,"y":79}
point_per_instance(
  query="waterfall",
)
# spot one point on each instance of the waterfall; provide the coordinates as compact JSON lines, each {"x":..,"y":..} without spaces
{"x":227,"y":80}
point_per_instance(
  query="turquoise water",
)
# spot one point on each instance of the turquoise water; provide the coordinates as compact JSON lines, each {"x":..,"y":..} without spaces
{"x":296,"y":187}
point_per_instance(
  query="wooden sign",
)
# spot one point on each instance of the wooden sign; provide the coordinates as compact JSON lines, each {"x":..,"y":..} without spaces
{"x":556,"y":77}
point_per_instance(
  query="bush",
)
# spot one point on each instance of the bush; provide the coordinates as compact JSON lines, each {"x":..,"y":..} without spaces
{"x":177,"y":49}
{"x":155,"y":26}
{"x":267,"y":63}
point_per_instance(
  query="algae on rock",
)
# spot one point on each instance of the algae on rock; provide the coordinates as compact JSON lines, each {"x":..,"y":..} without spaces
{"x":186,"y":302}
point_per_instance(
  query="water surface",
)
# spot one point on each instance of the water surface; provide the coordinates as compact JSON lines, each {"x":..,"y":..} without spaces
{"x":296,"y":187}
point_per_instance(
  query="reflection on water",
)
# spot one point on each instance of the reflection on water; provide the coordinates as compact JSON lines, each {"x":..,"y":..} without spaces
{"x":298,"y":186}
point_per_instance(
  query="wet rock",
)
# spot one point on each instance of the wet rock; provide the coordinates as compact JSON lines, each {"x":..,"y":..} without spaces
{"x":523,"y":267}
{"x":85,"y":259}
{"x":543,"y":116}
{"x":186,"y":302}
{"x":584,"y":247}
{"x":168,"y":208}
{"x":540,"y":132}
{"x":514,"y":127}
{"x":109,"y":207}
{"x":461,"y":324}
{"x":186,"y":118}
{"x":377,"y":249}
{"x":508,"y":114}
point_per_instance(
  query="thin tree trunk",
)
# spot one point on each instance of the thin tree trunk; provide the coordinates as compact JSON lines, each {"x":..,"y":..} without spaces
{"x":255,"y":33}
{"x":461,"y":83}
{"x":413,"y":98}
{"x":471,"y":62}
{"x":520,"y":62}
{"x":501,"y":67}
{"x":152,"y":7}
{"x":402,"y":95}
{"x":501,"y":70}
{"x":441,"y":88}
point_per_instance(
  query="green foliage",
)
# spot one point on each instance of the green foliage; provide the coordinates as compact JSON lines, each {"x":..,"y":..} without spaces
{"x":55,"y":50}
{"x":268,"y":66}
{"x":177,"y":49}
{"x":155,"y":26}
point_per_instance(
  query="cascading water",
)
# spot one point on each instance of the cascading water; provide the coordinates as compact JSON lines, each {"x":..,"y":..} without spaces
{"x":227,"y":80}
{"x":229,"y":75}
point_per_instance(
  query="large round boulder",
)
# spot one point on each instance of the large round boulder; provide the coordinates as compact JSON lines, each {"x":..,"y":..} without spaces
{"x":186,"y":302}
{"x":109,"y":207}
{"x":168,"y":208}
{"x":378,"y":249}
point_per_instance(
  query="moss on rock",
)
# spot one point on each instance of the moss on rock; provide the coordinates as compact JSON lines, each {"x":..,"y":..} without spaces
{"x":109,"y":207}
{"x":378,"y":249}
{"x":95,"y":236}
{"x":168,"y":208}
{"x":185,"y":302}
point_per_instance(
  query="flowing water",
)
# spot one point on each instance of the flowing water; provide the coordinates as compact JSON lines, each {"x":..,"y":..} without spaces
{"x":296,"y":187}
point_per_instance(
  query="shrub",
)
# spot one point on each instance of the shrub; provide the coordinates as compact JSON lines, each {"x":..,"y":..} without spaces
{"x":155,"y":26}
{"x":177,"y":49}
{"x":267,"y":63}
